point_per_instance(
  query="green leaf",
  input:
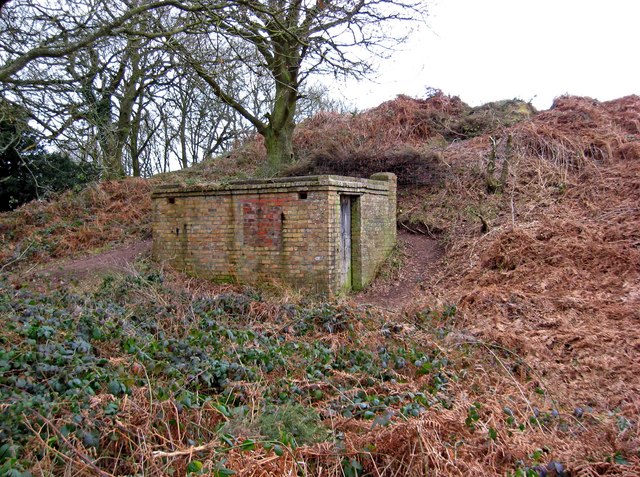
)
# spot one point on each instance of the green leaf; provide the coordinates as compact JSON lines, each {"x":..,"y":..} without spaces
{"x":223,"y":471}
{"x":90,"y":439}
{"x":222,"y":409}
{"x":7,"y":451}
{"x":493,"y":434}
{"x":537,"y":455}
{"x":278,"y":450}
{"x":194,"y":466}
{"x":111,"y":409}
{"x":425,"y":368}
{"x":382,"y":420}
{"x":115,"y":387}
{"x":619,"y":459}
{"x":248,"y":445}
{"x":351,"y":468}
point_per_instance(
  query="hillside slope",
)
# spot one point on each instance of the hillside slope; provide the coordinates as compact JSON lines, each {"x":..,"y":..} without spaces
{"x":517,"y":354}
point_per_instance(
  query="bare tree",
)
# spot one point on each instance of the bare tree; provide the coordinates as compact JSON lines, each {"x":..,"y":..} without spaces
{"x":283,"y":42}
{"x":88,"y":99}
{"x":203,"y":125}
{"x":91,"y":69}
{"x":49,"y":29}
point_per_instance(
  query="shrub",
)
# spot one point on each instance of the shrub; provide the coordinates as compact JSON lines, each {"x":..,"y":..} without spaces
{"x":27,"y":170}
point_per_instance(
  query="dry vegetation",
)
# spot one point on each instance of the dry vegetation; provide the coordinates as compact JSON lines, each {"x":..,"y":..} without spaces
{"x":103,"y":214}
{"x":520,"y":359}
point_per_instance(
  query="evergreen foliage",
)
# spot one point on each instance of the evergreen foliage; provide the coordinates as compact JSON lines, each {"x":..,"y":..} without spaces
{"x":28,"y":171}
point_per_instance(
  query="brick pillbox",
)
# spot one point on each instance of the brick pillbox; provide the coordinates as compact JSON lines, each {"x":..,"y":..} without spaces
{"x":327,"y":234}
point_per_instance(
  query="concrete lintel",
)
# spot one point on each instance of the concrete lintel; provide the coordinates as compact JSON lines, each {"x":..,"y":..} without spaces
{"x":277,"y":185}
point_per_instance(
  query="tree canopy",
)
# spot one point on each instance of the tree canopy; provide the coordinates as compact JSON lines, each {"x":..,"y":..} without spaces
{"x":100,"y":76}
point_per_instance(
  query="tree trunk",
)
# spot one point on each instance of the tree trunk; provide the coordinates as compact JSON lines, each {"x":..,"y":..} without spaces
{"x":183,"y":138}
{"x":278,"y":135}
{"x":113,"y":164}
{"x":279,"y":144}
{"x":134,"y":152}
{"x":111,"y":154}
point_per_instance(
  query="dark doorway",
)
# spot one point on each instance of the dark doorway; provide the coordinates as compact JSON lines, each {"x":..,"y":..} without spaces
{"x":346,"y":268}
{"x":350,"y":258}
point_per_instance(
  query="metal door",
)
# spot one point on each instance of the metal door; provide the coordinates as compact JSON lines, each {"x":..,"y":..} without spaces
{"x":345,"y":241}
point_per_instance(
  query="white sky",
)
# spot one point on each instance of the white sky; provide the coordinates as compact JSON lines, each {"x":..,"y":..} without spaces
{"x":535,"y":50}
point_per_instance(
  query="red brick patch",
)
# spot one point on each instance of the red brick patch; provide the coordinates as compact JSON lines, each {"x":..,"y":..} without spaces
{"x":262,"y":223}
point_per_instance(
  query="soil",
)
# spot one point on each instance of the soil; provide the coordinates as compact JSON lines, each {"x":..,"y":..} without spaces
{"x":115,"y":260}
{"x":421,"y":257}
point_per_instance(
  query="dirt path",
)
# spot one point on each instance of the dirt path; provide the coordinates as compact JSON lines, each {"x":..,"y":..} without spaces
{"x":116,"y":260}
{"x":422,"y":255}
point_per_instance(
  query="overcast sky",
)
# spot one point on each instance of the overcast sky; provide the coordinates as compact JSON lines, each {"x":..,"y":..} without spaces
{"x":535,"y":50}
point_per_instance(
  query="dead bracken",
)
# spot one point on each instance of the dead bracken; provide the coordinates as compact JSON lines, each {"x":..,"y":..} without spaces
{"x":514,"y":353}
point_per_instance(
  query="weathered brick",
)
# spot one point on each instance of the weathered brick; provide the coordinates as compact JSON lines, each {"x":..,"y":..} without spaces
{"x":284,"y":229}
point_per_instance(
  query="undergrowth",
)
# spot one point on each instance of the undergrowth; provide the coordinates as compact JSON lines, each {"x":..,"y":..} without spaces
{"x":142,"y":376}
{"x":521,"y":367}
{"x":71,"y":363}
{"x":97,"y":216}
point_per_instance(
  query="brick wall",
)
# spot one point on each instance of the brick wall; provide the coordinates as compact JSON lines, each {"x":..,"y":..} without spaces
{"x":285,"y":229}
